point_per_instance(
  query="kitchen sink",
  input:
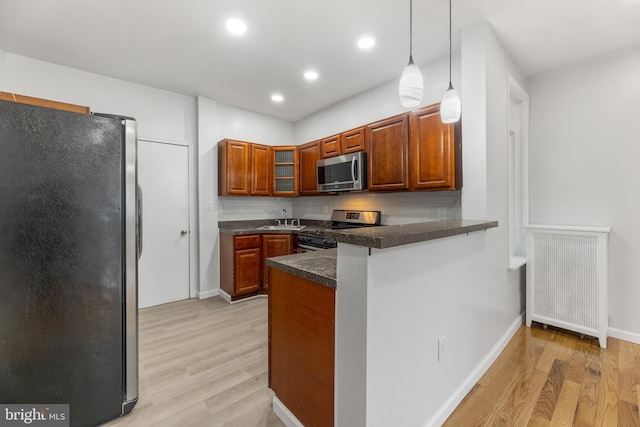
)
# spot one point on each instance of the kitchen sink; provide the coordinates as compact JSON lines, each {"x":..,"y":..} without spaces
{"x":282,"y":227}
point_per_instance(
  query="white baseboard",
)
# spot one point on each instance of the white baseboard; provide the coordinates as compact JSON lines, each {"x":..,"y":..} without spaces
{"x":624,"y":335}
{"x":454,"y":400}
{"x":207,"y":294}
{"x":225,"y":296}
{"x":285,"y":414}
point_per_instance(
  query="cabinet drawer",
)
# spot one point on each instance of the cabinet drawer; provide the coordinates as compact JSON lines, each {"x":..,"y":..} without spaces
{"x":247,"y":242}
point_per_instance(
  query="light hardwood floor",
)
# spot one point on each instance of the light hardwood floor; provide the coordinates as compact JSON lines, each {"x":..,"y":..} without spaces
{"x":203,"y":363}
{"x":552,"y":378}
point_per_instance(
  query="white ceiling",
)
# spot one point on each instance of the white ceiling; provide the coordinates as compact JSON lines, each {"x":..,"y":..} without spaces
{"x":182,"y":45}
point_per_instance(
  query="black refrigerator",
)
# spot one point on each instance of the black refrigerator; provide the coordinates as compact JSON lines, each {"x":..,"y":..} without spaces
{"x":69,"y":247}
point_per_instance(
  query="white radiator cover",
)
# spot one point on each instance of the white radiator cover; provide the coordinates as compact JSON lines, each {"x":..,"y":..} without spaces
{"x":567,"y":270}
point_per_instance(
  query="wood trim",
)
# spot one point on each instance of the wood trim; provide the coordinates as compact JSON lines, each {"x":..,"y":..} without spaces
{"x":47,"y":103}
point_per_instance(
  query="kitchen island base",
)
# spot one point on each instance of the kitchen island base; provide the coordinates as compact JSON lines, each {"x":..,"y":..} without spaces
{"x":301,"y":347}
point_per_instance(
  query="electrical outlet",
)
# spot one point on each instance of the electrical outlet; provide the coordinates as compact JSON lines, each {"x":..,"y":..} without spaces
{"x":209,"y":205}
{"x":442,"y":213}
{"x":441,"y":347}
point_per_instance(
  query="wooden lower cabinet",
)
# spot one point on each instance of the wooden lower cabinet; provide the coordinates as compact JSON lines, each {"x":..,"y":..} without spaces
{"x":240,"y":265}
{"x":301,"y":347}
{"x":243,"y":272}
{"x":274,"y":245}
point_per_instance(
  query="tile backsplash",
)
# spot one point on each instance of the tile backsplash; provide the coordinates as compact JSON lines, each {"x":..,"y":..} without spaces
{"x":396,"y":208}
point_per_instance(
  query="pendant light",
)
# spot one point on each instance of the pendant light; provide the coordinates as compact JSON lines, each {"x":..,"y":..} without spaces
{"x":450,"y":107}
{"x":411,"y":85}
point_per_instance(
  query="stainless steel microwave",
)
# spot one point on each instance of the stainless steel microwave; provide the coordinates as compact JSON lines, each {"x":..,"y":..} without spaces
{"x":342,"y":173}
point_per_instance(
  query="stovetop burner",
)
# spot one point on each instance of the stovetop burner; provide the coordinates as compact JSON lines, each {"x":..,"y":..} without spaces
{"x":340,"y":220}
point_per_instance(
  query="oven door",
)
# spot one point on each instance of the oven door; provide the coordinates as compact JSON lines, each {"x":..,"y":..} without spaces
{"x":302,"y":248}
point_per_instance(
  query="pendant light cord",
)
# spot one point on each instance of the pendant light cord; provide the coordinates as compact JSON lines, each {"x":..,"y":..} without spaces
{"x":410,"y":28}
{"x":450,"y":44}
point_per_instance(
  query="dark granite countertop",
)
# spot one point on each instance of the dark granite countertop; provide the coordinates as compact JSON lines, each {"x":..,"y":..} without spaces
{"x":317,"y":266}
{"x":244,"y":227}
{"x":389,"y":236}
{"x":320,"y":266}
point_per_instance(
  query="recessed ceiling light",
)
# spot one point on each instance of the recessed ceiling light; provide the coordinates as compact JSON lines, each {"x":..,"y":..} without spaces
{"x":236,"y":26}
{"x":276,"y":97}
{"x":310,"y":75}
{"x":366,"y":42}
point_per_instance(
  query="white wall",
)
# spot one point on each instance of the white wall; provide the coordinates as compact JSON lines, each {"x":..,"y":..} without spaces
{"x":368,"y":107}
{"x":375,"y":104}
{"x":396,"y":208}
{"x":478,"y":306}
{"x":234,"y":123}
{"x":474,"y":123}
{"x":584,"y":152}
{"x":216,"y":122}
{"x":160,"y":114}
{"x":2,"y":53}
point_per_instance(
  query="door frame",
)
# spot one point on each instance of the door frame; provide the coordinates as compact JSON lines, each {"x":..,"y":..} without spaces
{"x":193,"y":223}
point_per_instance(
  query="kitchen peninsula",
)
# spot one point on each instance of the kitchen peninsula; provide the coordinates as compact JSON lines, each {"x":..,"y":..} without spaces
{"x":365,"y":345}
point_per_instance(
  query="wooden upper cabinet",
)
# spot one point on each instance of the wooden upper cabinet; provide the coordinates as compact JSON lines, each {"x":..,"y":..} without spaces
{"x":388,"y":154}
{"x":234,"y":168}
{"x":330,"y":146}
{"x":353,"y":140}
{"x":343,"y":143}
{"x":309,"y":154}
{"x":434,"y":150}
{"x":285,"y":170}
{"x":14,"y":97}
{"x":261,"y":169}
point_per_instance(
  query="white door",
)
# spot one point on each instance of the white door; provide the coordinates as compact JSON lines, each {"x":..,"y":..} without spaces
{"x":163,"y":270}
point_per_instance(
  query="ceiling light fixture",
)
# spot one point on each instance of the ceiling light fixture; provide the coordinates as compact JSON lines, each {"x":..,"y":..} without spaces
{"x":236,"y":26}
{"x":310,"y":75}
{"x":451,"y":106}
{"x":366,"y":42}
{"x":276,"y":97}
{"x":411,"y":84}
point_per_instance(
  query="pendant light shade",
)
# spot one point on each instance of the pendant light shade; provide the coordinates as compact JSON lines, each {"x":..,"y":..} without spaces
{"x":411,"y":84}
{"x":451,"y":106}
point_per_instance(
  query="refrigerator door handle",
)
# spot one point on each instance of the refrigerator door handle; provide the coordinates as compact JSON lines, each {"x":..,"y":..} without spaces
{"x":139,"y":218}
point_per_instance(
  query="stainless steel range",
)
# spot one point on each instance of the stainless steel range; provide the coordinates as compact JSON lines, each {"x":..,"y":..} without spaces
{"x":340,"y":219}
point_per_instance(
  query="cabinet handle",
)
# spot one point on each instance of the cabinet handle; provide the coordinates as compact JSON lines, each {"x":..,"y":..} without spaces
{"x":353,"y":169}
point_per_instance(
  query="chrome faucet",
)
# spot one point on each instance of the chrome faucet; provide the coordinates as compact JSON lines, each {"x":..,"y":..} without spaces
{"x":284,"y":214}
